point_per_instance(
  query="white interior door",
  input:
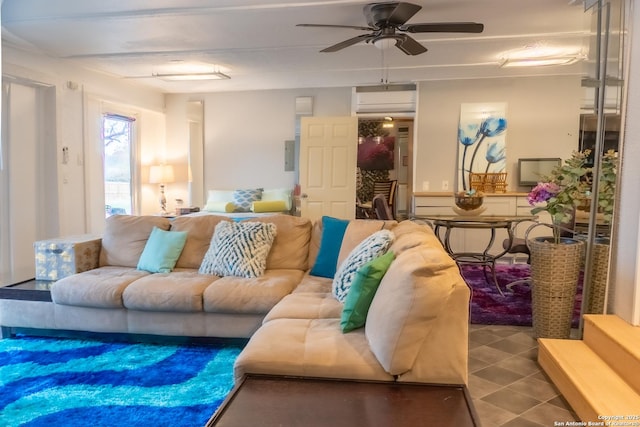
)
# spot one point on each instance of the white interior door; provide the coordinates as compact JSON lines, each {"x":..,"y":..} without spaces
{"x":328,"y":166}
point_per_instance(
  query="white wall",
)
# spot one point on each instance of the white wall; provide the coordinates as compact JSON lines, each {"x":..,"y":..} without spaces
{"x":245,"y":134}
{"x":73,"y":87}
{"x":542,"y":114}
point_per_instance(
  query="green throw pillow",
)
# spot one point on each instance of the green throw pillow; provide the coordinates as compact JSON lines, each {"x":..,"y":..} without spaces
{"x":162,"y":250}
{"x":362,"y":291}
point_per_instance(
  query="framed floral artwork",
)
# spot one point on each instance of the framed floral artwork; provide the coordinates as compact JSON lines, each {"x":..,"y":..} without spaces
{"x":482,"y":147}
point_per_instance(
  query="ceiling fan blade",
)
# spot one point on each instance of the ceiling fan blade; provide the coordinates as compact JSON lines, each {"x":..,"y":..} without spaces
{"x":349,"y":42}
{"x":444,"y":27}
{"x":402,"y":13}
{"x":353,"y":27}
{"x":380,"y":15}
{"x":409,"y":45}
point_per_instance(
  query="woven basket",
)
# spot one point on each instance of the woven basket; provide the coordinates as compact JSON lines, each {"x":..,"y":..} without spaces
{"x":489,"y":182}
{"x":555,"y":269}
{"x":600,"y":269}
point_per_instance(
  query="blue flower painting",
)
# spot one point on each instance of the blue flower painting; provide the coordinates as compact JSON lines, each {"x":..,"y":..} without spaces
{"x":481,"y":141}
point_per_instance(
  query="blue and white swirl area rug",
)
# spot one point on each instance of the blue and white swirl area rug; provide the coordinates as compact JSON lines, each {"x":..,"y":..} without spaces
{"x":65,"y":382}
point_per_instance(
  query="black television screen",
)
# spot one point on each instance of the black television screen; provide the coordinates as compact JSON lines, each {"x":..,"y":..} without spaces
{"x":530,"y":171}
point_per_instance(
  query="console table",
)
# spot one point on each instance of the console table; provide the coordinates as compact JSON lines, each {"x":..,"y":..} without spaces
{"x":481,"y":222}
{"x":270,"y":401}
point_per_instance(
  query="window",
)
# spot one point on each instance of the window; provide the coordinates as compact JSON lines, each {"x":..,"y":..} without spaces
{"x":118,"y":140}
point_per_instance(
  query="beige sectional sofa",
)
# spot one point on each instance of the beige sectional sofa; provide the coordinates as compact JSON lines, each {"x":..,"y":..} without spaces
{"x":416,"y":328}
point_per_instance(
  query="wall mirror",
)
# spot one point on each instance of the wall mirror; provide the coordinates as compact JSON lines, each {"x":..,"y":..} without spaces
{"x":600,"y":131}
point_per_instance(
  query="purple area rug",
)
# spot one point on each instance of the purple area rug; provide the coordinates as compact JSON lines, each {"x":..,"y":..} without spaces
{"x":488,"y":307}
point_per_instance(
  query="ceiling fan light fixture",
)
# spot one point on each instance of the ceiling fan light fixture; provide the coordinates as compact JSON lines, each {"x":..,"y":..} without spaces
{"x":384,"y":43}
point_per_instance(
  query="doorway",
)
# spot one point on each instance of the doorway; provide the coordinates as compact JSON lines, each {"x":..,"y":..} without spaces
{"x":385,"y":147}
{"x":28,"y":171}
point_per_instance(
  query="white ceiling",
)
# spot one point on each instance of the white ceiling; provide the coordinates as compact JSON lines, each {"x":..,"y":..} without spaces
{"x":259,"y":46}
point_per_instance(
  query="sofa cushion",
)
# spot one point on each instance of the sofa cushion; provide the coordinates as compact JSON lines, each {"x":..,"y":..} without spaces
{"x":179,"y":291}
{"x":290,"y":248}
{"x":357,"y":231}
{"x":199,"y":232}
{"x":314,"y":284}
{"x":370,"y":248}
{"x":409,"y":298}
{"x":309,"y":347}
{"x":306,"y":305}
{"x":101,"y":287}
{"x":250,"y":295}
{"x":362,"y":290}
{"x":410,"y":234}
{"x":161,"y":251}
{"x":239,"y":249}
{"x":125,"y":237}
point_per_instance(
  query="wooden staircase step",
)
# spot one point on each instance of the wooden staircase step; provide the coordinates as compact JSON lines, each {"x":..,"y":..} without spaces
{"x":588,"y":383}
{"x":617,"y":343}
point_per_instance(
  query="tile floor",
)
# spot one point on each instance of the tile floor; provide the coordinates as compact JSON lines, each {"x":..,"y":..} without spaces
{"x":506,"y":383}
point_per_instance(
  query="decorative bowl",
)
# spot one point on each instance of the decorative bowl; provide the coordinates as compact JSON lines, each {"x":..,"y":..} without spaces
{"x":472,"y":212}
{"x":468,"y":203}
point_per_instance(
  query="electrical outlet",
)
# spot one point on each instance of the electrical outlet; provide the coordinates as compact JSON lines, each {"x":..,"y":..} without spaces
{"x":425,"y":185}
{"x":445,"y":185}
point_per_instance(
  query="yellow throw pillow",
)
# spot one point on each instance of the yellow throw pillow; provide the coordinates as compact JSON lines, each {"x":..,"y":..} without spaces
{"x":269,"y":206}
{"x":220,"y":207}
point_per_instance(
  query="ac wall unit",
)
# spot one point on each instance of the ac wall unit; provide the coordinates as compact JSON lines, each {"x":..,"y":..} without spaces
{"x":384,"y":99}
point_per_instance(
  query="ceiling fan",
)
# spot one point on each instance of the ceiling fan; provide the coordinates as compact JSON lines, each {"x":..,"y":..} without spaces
{"x":387,"y":23}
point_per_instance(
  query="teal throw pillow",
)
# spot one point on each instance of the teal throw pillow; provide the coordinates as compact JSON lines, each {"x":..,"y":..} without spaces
{"x":162,"y":250}
{"x":362,"y":291}
{"x":370,"y":248}
{"x":333,"y":230}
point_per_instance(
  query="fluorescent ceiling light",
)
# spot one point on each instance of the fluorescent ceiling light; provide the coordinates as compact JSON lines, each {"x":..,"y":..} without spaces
{"x":541,"y":56}
{"x":214,"y":75}
{"x":539,"y":62}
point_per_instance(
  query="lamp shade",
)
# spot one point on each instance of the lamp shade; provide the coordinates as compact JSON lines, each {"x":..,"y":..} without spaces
{"x":161,"y":174}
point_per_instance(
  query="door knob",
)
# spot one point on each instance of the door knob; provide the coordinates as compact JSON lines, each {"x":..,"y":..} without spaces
{"x":304,"y":196}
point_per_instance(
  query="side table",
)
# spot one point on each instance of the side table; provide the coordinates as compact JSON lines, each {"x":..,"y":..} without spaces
{"x":28,"y":290}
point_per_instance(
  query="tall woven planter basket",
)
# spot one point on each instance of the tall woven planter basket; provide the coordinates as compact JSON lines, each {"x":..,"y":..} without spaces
{"x":555,"y":269}
{"x":599,"y":272}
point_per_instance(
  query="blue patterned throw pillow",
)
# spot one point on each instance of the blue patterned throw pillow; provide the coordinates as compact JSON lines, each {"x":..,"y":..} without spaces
{"x":243,"y":199}
{"x":239,"y":249}
{"x":370,"y":248}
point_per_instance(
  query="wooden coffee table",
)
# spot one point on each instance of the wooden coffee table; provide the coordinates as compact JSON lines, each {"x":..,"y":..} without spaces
{"x":270,"y":401}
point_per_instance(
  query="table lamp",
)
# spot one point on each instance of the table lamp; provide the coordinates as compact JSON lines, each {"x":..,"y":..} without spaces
{"x":161,"y":174}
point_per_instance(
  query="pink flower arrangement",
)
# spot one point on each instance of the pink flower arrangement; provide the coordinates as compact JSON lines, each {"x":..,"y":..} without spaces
{"x":560,"y":193}
{"x":543,"y":192}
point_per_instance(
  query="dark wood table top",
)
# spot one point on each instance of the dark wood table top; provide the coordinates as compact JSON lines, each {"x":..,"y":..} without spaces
{"x":29,"y":290}
{"x":270,"y":401}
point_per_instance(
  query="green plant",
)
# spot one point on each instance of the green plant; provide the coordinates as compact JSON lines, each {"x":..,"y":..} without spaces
{"x":562,"y":191}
